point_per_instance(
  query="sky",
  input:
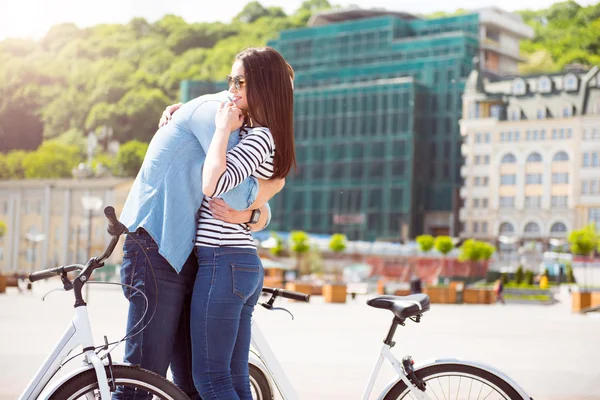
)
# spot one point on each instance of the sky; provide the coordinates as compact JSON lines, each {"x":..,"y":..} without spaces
{"x":33,"y":18}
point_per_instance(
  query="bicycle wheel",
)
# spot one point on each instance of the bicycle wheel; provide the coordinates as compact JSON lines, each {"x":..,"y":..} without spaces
{"x":259,"y":384}
{"x":457,"y":381}
{"x":85,"y":385}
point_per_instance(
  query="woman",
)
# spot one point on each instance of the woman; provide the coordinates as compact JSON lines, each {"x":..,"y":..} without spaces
{"x":230,"y":274}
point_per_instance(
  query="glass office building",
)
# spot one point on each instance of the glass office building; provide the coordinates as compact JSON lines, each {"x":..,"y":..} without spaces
{"x":377,"y":104}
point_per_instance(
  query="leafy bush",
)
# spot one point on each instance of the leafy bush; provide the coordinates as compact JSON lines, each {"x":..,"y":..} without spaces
{"x":519,"y":275}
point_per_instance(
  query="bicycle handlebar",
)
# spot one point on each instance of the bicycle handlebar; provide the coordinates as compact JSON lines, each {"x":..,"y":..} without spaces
{"x":49,"y":273}
{"x":287,"y":294}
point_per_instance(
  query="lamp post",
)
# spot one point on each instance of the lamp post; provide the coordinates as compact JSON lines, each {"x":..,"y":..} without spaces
{"x":90,"y":204}
{"x":34,"y":238}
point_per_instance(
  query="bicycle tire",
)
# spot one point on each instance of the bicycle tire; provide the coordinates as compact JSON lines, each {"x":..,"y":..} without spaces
{"x":259,"y":384}
{"x":124,"y":375}
{"x":400,"y":391}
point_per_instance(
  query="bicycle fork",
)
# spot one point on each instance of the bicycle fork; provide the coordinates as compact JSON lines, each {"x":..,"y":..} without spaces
{"x":404,"y":375}
{"x":84,"y":334}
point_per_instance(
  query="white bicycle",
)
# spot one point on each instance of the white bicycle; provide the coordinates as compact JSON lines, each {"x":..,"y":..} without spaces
{"x":442,"y":379}
{"x":99,"y":376}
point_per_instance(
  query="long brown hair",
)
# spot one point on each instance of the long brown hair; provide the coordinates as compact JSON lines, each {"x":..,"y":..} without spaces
{"x":271,"y":101}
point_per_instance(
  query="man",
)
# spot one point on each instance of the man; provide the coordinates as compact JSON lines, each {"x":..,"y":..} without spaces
{"x":160,"y":212}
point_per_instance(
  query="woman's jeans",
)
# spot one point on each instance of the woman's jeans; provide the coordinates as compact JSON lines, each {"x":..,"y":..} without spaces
{"x":228,"y":284}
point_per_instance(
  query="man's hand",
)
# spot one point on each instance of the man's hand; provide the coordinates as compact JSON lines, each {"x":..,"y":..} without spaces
{"x":168,"y":113}
{"x":221,"y":211}
{"x":267,"y":188}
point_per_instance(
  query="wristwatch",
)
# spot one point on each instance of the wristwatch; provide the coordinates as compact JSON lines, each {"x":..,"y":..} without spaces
{"x":254,"y":217}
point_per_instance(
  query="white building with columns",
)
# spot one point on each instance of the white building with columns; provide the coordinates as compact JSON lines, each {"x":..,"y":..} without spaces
{"x":532,"y":150}
{"x":47,"y":223}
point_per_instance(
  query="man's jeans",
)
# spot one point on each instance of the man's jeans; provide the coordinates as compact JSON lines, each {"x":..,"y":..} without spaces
{"x":228,"y":285}
{"x":166,"y":339}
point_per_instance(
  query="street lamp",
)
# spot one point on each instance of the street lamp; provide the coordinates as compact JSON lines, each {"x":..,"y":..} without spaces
{"x":90,"y":204}
{"x":34,"y":238}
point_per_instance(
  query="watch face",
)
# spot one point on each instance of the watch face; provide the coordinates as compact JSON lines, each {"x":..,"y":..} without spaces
{"x":255,"y":216}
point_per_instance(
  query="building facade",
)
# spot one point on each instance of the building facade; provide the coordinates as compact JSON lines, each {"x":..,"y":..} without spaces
{"x":47,"y":224}
{"x":531,"y":149}
{"x":377,"y":104}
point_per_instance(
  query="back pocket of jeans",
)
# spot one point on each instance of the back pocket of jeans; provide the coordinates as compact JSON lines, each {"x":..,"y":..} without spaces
{"x":245,"y":279}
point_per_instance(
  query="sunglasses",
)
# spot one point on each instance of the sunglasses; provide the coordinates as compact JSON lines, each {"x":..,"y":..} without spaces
{"x":237,"y":81}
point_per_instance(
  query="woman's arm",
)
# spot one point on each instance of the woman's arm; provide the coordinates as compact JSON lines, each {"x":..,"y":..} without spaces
{"x":225,"y":170}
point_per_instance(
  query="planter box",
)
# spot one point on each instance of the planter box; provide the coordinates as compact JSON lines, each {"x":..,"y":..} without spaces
{"x":581,"y":300}
{"x":441,"y":295}
{"x":2,"y":284}
{"x":404,"y":292}
{"x":595,"y":299}
{"x":334,"y":293}
{"x":273,"y":281}
{"x":478,"y":296}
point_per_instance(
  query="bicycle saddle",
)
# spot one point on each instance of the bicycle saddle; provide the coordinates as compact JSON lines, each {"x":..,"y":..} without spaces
{"x":402,"y":306}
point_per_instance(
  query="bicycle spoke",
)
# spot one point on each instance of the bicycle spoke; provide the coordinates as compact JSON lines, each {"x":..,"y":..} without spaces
{"x":458,"y":391}
{"x":442,"y":389}
{"x":434,"y":393}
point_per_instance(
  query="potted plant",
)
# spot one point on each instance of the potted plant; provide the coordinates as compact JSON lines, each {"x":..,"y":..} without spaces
{"x":335,"y":292}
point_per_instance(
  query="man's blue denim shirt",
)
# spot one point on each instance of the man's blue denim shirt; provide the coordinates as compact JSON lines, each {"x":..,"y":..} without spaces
{"x":167,"y":192}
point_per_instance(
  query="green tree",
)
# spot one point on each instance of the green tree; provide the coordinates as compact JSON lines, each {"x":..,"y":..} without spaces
{"x":584,"y":242}
{"x":425,"y":242}
{"x":529,"y":277}
{"x":3,"y":229}
{"x":251,"y":12}
{"x":444,"y":245}
{"x":14,"y":165}
{"x":51,"y":160}
{"x":474,"y":251}
{"x":338,"y":244}
{"x":519,"y":275}
{"x":300,"y":246}
{"x":130,"y":158}
{"x":279,"y":246}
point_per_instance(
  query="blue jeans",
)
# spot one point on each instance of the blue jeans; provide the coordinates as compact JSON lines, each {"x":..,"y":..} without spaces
{"x":227,"y":287}
{"x":166,"y":339}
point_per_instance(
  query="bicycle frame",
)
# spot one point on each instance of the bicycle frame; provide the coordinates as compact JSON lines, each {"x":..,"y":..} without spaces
{"x":287,"y":391}
{"x":77,"y":333}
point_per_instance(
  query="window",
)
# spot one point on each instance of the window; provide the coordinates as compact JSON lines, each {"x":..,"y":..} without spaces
{"x":567,"y":111}
{"x":585,"y":187}
{"x":487,"y":138}
{"x":533,"y":179}
{"x":533,"y":201}
{"x":594,"y":159}
{"x":534,"y":157}
{"x":486,"y":181}
{"x":506,"y":227}
{"x":477,"y":181}
{"x":554,"y":134}
{"x":517,"y":135}
{"x":559,"y":202}
{"x":475,"y":227}
{"x":560,"y":178}
{"x":532,"y":227}
{"x":594,"y":187}
{"x":571,"y":82}
{"x":541,"y":113}
{"x":558,"y":227}
{"x":478,"y":138}
{"x":545,"y":85}
{"x":484,"y":203}
{"x":484,"y":227}
{"x":477,"y":160}
{"x":594,"y":216}
{"x":560,"y":156}
{"x":486,"y":159}
{"x":475,"y":203}
{"x":519,"y":87}
{"x":509,"y":179}
{"x":507,"y":202}
{"x":586,"y":159}
{"x":508,"y":159}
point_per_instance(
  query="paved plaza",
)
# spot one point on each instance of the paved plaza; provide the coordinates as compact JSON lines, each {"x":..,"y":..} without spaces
{"x":328,"y":351}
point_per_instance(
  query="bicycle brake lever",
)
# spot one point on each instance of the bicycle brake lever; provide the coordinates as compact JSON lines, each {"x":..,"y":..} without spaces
{"x":53,"y":290}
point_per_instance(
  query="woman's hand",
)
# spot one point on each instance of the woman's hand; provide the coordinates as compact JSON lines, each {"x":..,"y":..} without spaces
{"x":229,"y":117}
{"x":168,"y":113}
